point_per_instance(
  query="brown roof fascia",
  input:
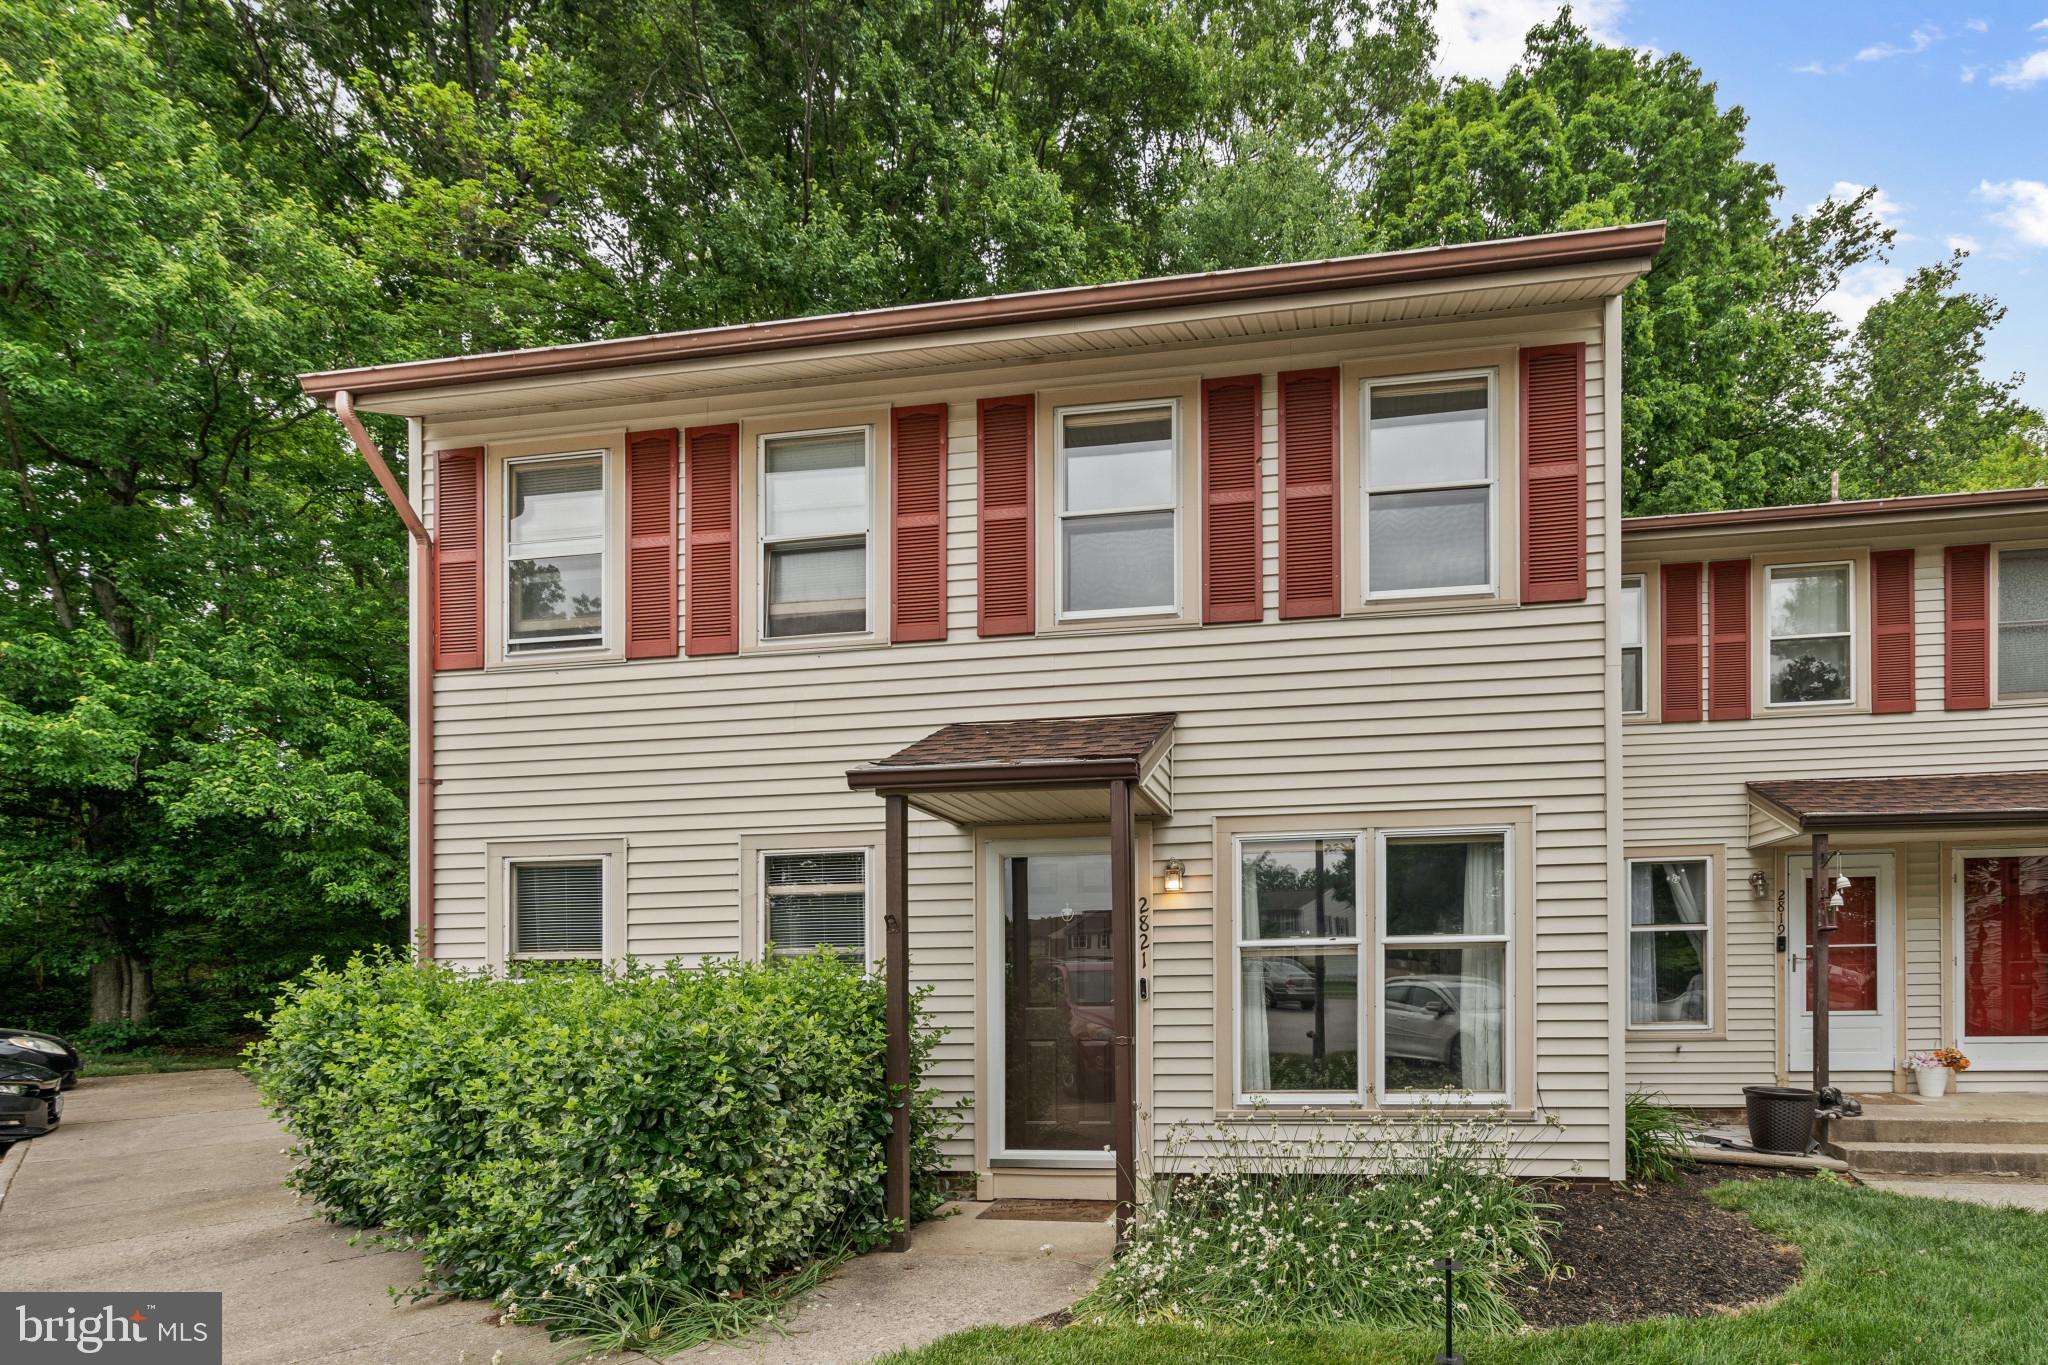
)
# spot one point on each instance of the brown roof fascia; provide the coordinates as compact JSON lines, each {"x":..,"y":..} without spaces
{"x":1836,"y":511}
{"x":1047,"y":305}
{"x":1086,"y":772}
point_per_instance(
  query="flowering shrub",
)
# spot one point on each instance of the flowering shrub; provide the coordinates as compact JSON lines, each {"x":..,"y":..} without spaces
{"x":1281,"y":1224}
{"x":579,"y":1131}
{"x":1952,"y":1058}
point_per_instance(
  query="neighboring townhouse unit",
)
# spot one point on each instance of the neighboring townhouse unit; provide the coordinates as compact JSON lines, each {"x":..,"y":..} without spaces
{"x":1875,"y":671}
{"x":1221,"y":688}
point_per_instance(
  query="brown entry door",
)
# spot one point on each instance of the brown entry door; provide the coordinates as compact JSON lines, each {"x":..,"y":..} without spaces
{"x":1059,"y":1008}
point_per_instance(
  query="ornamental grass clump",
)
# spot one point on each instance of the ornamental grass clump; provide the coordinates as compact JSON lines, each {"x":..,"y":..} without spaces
{"x":1280,"y":1224}
{"x":585,"y":1135}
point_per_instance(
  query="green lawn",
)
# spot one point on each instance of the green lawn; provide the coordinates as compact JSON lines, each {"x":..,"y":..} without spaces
{"x":1888,"y":1278}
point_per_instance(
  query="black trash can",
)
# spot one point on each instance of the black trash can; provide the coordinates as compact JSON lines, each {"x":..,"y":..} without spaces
{"x":1780,"y":1118}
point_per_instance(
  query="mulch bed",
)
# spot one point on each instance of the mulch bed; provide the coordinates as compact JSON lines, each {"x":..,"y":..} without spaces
{"x":1645,"y":1251}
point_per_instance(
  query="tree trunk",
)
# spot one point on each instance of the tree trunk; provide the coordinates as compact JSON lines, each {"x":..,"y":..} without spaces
{"x":122,"y":990}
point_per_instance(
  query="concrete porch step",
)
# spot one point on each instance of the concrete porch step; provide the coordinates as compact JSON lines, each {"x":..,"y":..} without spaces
{"x":1944,"y":1158}
{"x":1922,"y":1125}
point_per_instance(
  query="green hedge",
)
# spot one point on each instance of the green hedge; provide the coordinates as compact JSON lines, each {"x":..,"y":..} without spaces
{"x":702,"y":1129}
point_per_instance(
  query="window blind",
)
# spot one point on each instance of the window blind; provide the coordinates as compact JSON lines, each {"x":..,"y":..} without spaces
{"x":558,"y":908}
{"x":816,"y":900}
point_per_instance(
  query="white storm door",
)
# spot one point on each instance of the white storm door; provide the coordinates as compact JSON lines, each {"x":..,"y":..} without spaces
{"x":1861,"y":966}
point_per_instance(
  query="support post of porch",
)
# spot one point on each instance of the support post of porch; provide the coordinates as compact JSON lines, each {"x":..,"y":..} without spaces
{"x":1817,"y":969}
{"x":896,"y":976}
{"x":1123,"y":954}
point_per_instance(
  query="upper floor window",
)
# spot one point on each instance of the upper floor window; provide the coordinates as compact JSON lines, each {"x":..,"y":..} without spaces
{"x":2023,"y":623}
{"x":813,"y":900}
{"x":555,"y":554}
{"x":1116,"y":503}
{"x":1811,"y":621}
{"x":558,"y":908}
{"x":1634,"y":631}
{"x":1429,"y":486}
{"x":814,"y":534}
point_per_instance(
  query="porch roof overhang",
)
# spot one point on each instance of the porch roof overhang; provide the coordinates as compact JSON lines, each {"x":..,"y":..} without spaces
{"x":1783,"y":811}
{"x":1012,"y":772}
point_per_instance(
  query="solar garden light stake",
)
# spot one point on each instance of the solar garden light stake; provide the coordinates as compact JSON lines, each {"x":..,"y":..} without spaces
{"x":1449,"y":1354}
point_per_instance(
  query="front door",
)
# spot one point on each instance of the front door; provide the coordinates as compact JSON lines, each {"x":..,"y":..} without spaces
{"x":1861,"y":1024}
{"x":1057,"y":1073}
{"x":2001,"y":957}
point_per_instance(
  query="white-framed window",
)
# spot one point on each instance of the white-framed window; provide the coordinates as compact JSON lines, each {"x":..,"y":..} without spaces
{"x":556,"y":519}
{"x":816,"y":515}
{"x":1430,"y":476}
{"x":1635,"y":632}
{"x":1299,"y":950}
{"x":1809,"y":613}
{"x":1670,"y":942}
{"x":2022,"y":624}
{"x":558,"y":908}
{"x":815,"y":898}
{"x":1444,"y":964}
{"x":1116,"y":504}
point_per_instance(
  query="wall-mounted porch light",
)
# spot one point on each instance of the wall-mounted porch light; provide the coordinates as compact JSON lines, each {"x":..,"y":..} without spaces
{"x":1759,"y":884}
{"x":1175,"y":876}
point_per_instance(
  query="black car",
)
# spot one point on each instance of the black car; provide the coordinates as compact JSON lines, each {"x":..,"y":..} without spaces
{"x":31,"y":1099}
{"x":40,"y":1049}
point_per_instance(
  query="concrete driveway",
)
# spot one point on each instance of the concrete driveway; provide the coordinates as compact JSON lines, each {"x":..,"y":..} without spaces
{"x":177,"y":1182}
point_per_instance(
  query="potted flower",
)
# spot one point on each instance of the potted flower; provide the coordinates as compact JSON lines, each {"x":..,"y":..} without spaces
{"x":1931,"y":1070}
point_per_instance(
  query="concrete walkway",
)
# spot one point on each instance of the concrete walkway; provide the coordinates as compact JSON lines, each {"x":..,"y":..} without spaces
{"x":1998,"y":1192}
{"x":176,"y":1181}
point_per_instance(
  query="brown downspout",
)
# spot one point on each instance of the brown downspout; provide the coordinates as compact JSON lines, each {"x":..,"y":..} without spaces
{"x":422,"y":676}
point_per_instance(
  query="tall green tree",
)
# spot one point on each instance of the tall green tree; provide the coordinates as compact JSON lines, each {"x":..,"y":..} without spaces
{"x":200,"y":633}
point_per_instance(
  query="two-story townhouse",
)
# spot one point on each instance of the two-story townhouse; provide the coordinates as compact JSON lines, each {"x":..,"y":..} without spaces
{"x":1876,"y":672}
{"x":1212,"y":686}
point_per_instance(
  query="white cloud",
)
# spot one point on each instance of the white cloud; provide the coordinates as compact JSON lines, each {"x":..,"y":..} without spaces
{"x":1888,"y":211}
{"x":2023,"y":208}
{"x":1977,"y":25}
{"x":2021,"y":74}
{"x":2038,"y":28}
{"x":1861,"y":287}
{"x":1958,"y":242}
{"x":1484,"y":37}
{"x":1919,"y":41}
{"x":1970,"y":74}
{"x":1812,"y":69}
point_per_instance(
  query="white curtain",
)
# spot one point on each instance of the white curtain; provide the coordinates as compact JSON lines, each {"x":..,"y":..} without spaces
{"x":1688,"y":906}
{"x":1482,"y":1019}
{"x":1257,"y":1072}
{"x":1485,"y":886}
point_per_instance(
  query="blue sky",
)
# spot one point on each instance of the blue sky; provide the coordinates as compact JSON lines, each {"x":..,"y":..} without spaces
{"x":1943,"y":107}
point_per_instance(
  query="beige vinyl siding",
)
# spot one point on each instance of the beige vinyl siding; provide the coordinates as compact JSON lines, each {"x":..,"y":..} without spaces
{"x":1418,"y":708}
{"x":1686,"y":784}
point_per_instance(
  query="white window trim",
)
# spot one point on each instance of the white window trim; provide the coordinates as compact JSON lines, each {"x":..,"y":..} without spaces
{"x":1505,"y":938}
{"x":500,"y":858}
{"x":1708,"y":966}
{"x":764,"y":542}
{"x":1239,"y":943}
{"x":868,"y":946}
{"x":1491,"y":483}
{"x":1060,"y":514}
{"x":753,"y":851}
{"x":1771,"y":574}
{"x":1998,"y":623}
{"x":1642,"y":648}
{"x":523,"y":650}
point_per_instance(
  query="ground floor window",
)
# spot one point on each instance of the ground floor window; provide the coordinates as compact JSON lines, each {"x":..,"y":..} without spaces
{"x":815,"y":899}
{"x":558,"y":908}
{"x":1668,"y":942}
{"x":1394,"y":979}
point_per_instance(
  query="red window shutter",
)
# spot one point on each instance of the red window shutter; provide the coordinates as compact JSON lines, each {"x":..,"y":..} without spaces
{"x":711,"y":542}
{"x":1309,"y":548}
{"x":917,"y":564}
{"x":1891,"y":631}
{"x":1230,"y":500}
{"x":651,"y":499}
{"x":1681,"y":643}
{"x":1728,"y":649}
{"x":459,"y":559}
{"x":1004,"y":427}
{"x":1554,"y":474}
{"x":1967,"y":674}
